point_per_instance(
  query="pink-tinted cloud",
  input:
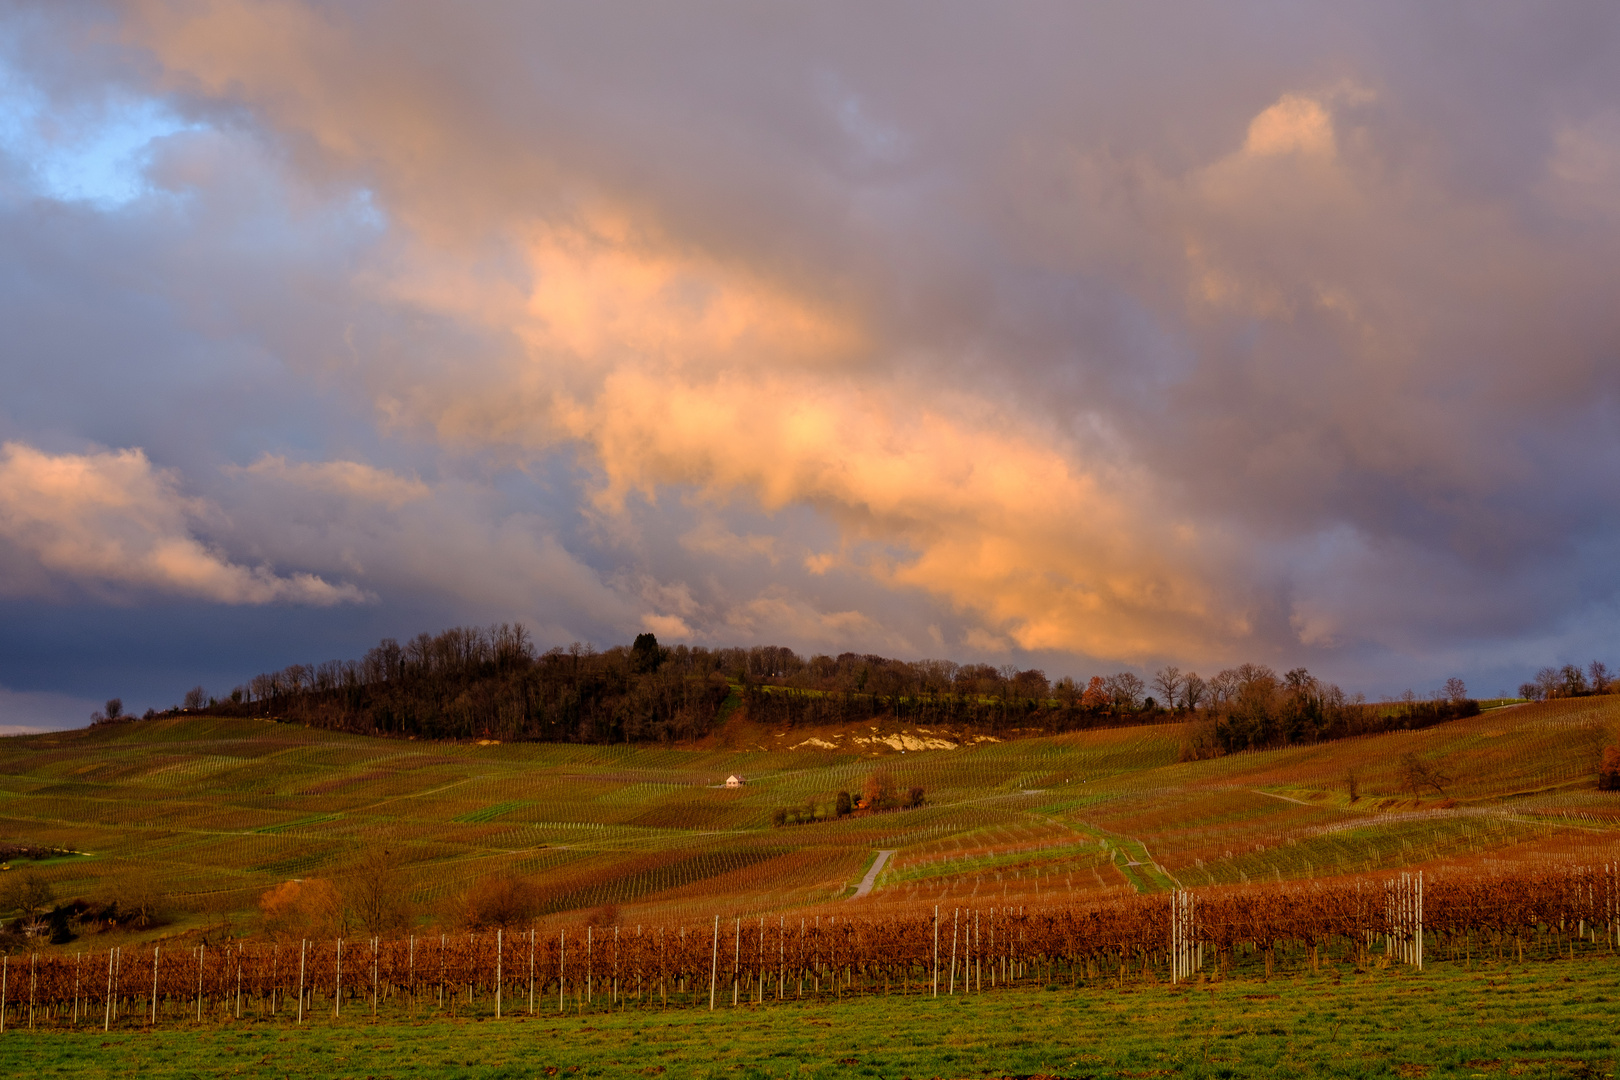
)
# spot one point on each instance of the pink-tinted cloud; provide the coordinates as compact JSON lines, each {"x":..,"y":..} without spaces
{"x":347,"y":479}
{"x":112,"y":524}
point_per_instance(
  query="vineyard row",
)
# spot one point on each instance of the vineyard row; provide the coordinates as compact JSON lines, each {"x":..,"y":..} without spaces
{"x":758,"y":959}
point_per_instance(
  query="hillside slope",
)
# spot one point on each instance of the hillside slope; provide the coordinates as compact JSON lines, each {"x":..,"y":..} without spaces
{"x":213,"y":812}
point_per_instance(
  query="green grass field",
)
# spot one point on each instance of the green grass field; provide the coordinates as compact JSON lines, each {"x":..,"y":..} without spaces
{"x":1544,"y":1019}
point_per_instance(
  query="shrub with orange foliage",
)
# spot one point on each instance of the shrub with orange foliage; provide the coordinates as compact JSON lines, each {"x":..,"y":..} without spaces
{"x":309,"y":908}
{"x":499,"y":900}
{"x":1609,"y":771}
{"x":878,"y":789}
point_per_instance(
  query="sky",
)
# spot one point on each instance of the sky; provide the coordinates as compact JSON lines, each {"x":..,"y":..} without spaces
{"x":1084,"y":337}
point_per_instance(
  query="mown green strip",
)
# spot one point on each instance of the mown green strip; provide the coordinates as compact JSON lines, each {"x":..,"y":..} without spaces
{"x":314,"y":819}
{"x":491,"y":812}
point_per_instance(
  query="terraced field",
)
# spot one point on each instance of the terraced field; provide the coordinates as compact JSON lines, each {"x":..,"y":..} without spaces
{"x":214,"y":812}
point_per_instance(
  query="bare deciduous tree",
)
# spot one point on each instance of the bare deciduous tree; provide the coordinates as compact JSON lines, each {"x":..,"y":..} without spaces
{"x":1168,"y":683}
{"x":1417,"y":775}
{"x":1193,"y":690}
{"x":1547,"y":684}
{"x":374,"y":890}
{"x":1126,"y":689}
{"x":29,"y":895}
{"x":1224,"y":687}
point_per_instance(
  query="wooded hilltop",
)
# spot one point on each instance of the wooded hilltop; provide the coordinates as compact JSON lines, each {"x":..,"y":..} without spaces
{"x":493,"y":683}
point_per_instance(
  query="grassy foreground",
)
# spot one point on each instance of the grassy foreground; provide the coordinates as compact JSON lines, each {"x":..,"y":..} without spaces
{"x":1548,"y":1019}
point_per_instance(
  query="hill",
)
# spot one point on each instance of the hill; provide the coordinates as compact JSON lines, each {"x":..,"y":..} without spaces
{"x":211,"y":812}
{"x":491,"y":683}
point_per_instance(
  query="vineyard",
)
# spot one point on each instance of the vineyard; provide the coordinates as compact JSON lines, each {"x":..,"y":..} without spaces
{"x":208,"y":814}
{"x":760,"y":959}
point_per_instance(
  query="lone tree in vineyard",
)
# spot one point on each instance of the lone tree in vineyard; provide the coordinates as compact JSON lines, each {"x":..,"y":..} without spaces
{"x":1417,"y":775}
{"x":375,"y":891}
{"x":30,"y":894}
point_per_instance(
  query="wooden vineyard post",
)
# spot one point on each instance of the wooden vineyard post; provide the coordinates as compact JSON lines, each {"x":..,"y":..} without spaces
{"x":936,"y":950}
{"x":588,"y":965}
{"x":1608,"y":910}
{"x":239,"y":978}
{"x":106,"y":1020}
{"x":562,"y":944}
{"x":1175,"y":938}
{"x":33,"y":980}
{"x":1400,"y":919}
{"x":1404,"y":940}
{"x":815,"y":964}
{"x":498,"y":945}
{"x":376,"y":947}
{"x":1186,"y":956}
{"x":154,"y":984}
{"x":531,"y":971}
{"x":714,"y":963}
{"x":781,"y":944}
{"x":1419,"y":914}
{"x":978,"y":954}
{"x":5,"y":979}
{"x":956,"y":917}
{"x":303,"y":950}
{"x":1406,"y":918}
{"x":337,"y":982}
{"x":199,"y":981}
{"x":736,"y":963}
{"x":761,"y":959}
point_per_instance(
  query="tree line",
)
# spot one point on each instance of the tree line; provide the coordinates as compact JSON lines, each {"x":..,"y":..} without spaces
{"x":472,"y":682}
{"x":493,"y":682}
{"x":1571,"y":681}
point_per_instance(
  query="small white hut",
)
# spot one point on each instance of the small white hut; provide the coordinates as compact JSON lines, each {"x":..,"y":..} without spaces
{"x":735,"y":781}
